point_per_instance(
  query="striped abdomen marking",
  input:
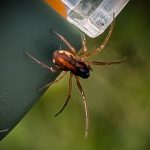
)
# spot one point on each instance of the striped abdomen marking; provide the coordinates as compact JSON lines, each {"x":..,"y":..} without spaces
{"x":64,"y":60}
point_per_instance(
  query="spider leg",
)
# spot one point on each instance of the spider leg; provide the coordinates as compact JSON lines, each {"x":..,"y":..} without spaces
{"x":83,"y":52}
{"x":84,"y":43}
{"x":107,"y":63}
{"x":66,"y":42}
{"x":41,"y":63}
{"x":85,"y":106}
{"x":69,"y":95}
{"x":4,"y":130}
{"x":102,"y":46}
{"x":63,"y":73}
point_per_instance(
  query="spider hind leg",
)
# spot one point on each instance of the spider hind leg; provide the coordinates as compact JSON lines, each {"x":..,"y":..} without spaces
{"x":63,"y":73}
{"x":68,"y":98}
{"x":40,"y":63}
{"x":72,"y":49}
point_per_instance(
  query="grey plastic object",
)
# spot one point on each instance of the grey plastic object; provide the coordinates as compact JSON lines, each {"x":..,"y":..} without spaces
{"x":93,"y":16}
{"x":24,"y":27}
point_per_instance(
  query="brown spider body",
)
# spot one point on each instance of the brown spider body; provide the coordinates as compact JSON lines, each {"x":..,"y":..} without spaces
{"x":77,"y":65}
{"x":66,"y":61}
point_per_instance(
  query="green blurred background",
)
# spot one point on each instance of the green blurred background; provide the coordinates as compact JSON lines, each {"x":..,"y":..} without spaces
{"x":118,"y":97}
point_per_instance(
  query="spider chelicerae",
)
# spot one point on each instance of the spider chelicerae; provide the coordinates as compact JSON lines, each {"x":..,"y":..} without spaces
{"x":77,"y":65}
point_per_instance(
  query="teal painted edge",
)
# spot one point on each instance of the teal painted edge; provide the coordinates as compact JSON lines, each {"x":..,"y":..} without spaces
{"x":25,"y":27}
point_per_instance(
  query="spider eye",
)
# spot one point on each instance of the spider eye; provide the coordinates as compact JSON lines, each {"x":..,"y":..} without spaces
{"x":84,"y":72}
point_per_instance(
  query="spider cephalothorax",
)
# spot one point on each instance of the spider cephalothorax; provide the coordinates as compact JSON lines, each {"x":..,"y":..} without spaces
{"x":77,"y":65}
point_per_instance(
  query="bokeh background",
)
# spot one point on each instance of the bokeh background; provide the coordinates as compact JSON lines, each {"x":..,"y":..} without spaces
{"x":118,"y":97}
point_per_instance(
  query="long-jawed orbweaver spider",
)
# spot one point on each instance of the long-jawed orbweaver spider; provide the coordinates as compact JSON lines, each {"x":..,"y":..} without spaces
{"x":78,"y":66}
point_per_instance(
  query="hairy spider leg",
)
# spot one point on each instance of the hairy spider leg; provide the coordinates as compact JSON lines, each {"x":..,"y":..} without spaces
{"x":62,"y":74}
{"x":84,"y":43}
{"x":83,"y":52}
{"x":66,"y":42}
{"x":69,"y":95}
{"x":41,"y":63}
{"x":102,"y":46}
{"x":107,"y":63}
{"x":85,"y":106}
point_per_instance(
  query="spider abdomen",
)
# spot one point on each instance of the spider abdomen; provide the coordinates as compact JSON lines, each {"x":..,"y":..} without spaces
{"x":66,"y":61}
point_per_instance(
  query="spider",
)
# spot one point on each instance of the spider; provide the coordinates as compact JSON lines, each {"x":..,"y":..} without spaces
{"x":77,"y":65}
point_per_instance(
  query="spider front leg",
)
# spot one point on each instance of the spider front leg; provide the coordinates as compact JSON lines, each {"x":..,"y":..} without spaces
{"x":66,"y":42}
{"x":107,"y":63}
{"x":105,"y":40}
{"x":85,"y":106}
{"x":69,"y":95}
